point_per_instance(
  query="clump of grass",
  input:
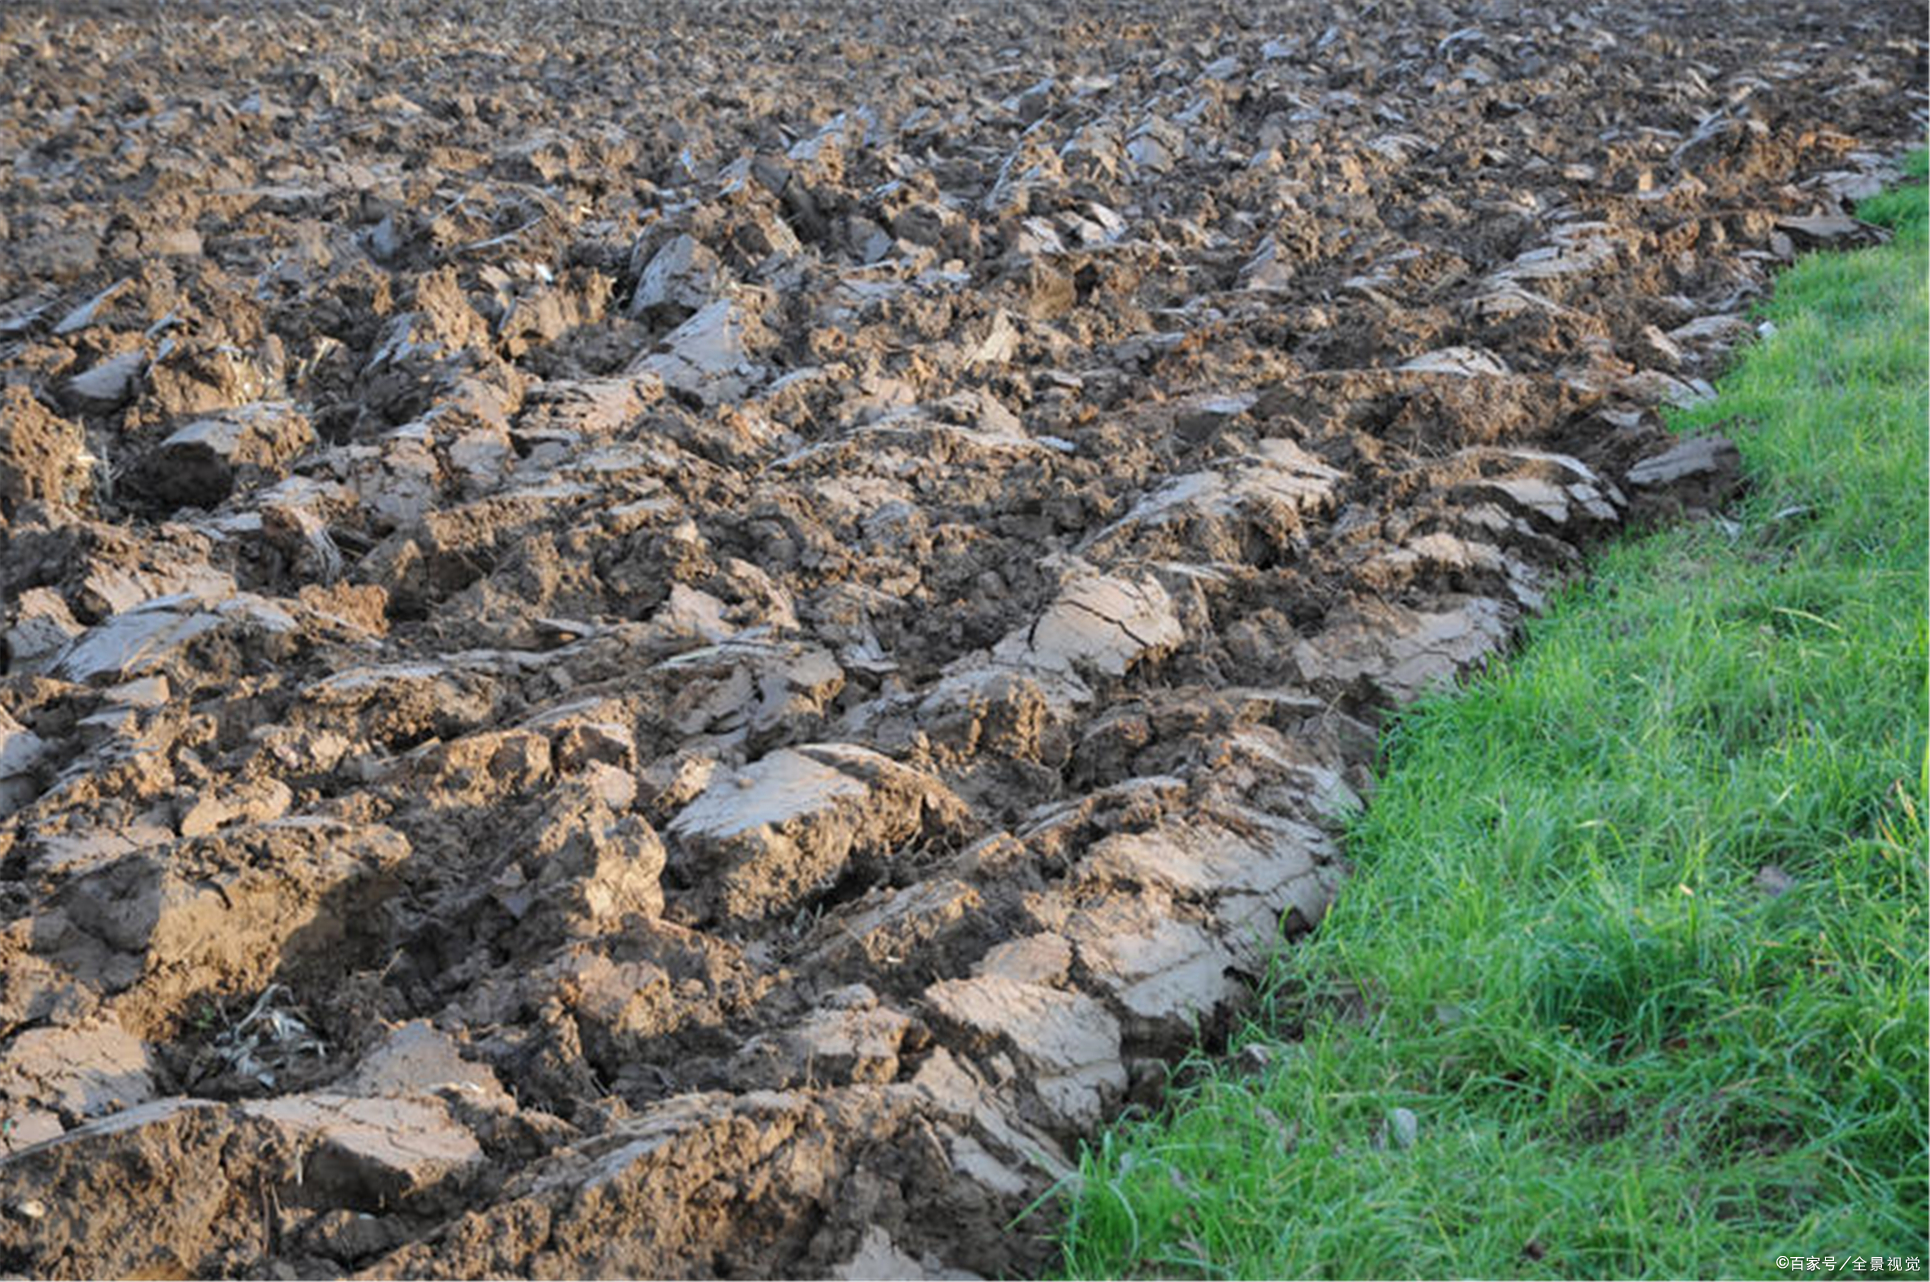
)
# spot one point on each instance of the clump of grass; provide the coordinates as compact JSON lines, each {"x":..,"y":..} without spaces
{"x":1639,"y":918}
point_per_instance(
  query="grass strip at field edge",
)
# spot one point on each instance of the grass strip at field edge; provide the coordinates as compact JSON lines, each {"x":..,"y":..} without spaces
{"x":1629,"y":979}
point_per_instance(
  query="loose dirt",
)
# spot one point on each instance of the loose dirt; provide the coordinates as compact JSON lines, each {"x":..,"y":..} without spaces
{"x":687,"y":639}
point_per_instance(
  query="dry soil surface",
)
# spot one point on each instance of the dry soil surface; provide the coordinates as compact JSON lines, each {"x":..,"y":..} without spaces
{"x":685,"y":639}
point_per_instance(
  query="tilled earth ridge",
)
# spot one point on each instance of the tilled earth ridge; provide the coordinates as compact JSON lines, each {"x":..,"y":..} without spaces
{"x":682,"y":640}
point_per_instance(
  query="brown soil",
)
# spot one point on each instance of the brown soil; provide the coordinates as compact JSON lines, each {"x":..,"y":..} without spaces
{"x":687,"y":639}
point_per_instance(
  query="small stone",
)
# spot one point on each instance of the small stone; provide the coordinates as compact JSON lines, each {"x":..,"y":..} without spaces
{"x":1403,"y":1127}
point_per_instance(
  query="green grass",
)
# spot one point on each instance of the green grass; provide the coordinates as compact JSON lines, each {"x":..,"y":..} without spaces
{"x":1626,"y":1057}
